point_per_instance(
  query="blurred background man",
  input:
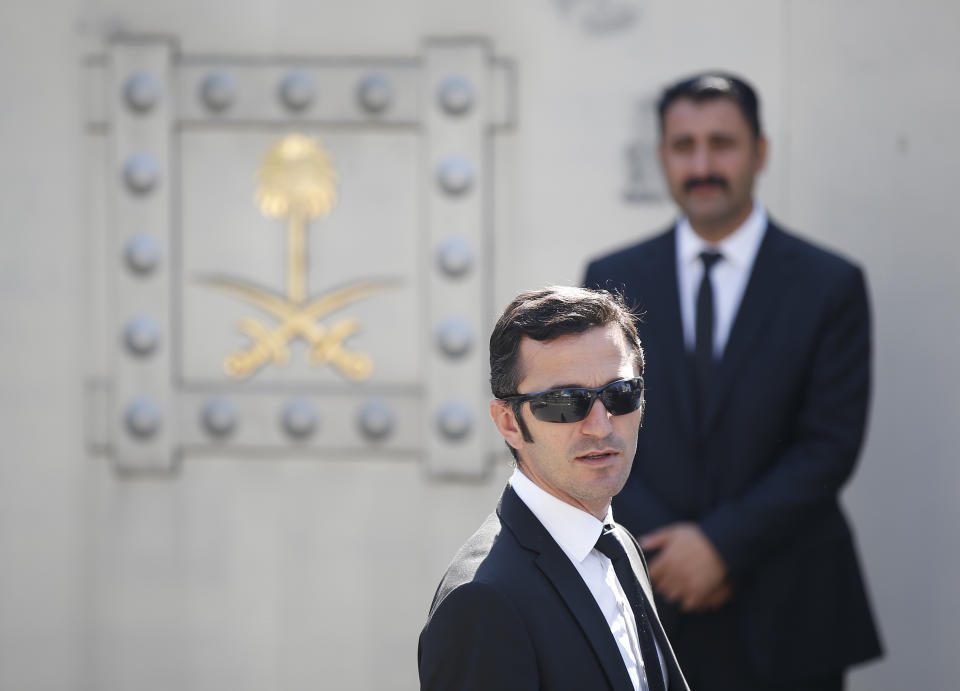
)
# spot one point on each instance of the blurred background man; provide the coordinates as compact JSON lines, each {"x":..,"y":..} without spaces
{"x":757,"y":406}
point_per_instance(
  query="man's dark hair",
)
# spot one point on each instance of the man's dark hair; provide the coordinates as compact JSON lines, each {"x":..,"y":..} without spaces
{"x":710,"y":85}
{"x":544,"y":315}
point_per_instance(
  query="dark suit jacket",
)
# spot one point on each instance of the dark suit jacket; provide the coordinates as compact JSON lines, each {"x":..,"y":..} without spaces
{"x":761,"y":468}
{"x":512,"y":612}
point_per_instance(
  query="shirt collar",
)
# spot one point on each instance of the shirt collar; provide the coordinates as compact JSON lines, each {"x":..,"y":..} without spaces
{"x":739,"y":248}
{"x":575,"y":530}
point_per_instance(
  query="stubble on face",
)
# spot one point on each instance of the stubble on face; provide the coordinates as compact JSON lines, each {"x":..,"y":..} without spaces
{"x":584,"y":463}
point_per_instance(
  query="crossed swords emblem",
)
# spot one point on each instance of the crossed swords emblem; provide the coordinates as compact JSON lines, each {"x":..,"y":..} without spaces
{"x":297,"y":183}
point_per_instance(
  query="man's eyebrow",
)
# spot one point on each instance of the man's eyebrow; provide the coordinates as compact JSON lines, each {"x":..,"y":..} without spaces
{"x":581,"y":386}
{"x":722,"y":136}
{"x":566,"y":386}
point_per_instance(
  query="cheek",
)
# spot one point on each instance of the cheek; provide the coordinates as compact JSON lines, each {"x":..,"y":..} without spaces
{"x":739,"y":165}
{"x":675,"y":170}
{"x":543,"y":433}
{"x":628,"y":426}
{"x":558,"y":438}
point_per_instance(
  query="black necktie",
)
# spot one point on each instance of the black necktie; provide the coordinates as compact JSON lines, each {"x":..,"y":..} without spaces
{"x":610,"y":546}
{"x":703,"y":349}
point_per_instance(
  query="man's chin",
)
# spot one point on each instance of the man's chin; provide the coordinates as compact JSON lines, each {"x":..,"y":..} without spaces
{"x":706,"y":211}
{"x":605,"y":488}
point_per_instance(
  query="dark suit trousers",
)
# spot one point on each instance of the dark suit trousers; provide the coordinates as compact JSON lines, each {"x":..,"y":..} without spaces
{"x":714,"y":657}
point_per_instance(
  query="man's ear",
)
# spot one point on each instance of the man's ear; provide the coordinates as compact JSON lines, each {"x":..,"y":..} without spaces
{"x":506,"y":422}
{"x":761,"y":153}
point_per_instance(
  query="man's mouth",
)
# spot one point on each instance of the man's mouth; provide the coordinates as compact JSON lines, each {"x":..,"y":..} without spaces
{"x":597,"y":456}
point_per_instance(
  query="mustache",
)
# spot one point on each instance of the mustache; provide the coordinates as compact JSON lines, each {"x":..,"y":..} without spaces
{"x":717,"y":180}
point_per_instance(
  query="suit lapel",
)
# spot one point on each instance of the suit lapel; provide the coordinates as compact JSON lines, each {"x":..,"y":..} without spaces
{"x":558,"y":569}
{"x":758,"y":299}
{"x":664,"y":337}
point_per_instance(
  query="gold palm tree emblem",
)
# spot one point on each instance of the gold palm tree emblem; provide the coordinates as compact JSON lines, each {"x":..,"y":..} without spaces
{"x":298,"y":183}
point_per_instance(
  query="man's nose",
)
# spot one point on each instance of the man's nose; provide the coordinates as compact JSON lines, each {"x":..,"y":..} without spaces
{"x":700,"y":161}
{"x":597,"y":423}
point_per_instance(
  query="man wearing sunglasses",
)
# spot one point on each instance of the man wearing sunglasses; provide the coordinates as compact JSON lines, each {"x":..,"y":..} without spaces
{"x":760,"y":343}
{"x":550,"y":593}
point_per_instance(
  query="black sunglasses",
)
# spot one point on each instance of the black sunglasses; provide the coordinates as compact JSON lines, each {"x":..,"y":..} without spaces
{"x":573,"y":404}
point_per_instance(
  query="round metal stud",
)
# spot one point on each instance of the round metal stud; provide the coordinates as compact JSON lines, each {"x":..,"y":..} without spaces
{"x":141,"y":91}
{"x":218,"y":91}
{"x":455,"y":95}
{"x":143,"y":418}
{"x":300,"y":418}
{"x":455,"y":337}
{"x":142,"y":253}
{"x":454,"y":421}
{"x":297,"y":90}
{"x":220,"y":417}
{"x":455,"y":256}
{"x":455,"y":175}
{"x":375,"y":93}
{"x":376,"y":420}
{"x":141,"y":173}
{"x":142,"y":336}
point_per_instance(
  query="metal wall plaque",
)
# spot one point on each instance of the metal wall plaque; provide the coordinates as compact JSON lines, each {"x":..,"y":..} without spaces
{"x":297,"y":252}
{"x":644,"y":182}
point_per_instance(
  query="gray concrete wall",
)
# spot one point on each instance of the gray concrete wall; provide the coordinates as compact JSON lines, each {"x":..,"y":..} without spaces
{"x":265,"y":573}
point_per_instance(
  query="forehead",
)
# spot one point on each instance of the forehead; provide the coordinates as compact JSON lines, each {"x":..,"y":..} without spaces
{"x":719,"y":114}
{"x":591,"y":358}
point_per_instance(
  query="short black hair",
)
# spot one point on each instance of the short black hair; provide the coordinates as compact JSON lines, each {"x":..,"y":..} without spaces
{"x":710,"y":85}
{"x":544,"y":315}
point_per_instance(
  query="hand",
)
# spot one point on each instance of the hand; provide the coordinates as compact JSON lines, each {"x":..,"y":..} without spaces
{"x":717,"y":597}
{"x":687,"y":570}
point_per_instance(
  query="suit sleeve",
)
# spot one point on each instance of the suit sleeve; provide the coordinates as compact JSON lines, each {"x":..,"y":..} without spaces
{"x":826,"y":439}
{"x":475,"y":640}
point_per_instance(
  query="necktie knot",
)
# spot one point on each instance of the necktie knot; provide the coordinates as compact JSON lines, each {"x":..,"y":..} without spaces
{"x":709,"y":258}
{"x":609,"y":546}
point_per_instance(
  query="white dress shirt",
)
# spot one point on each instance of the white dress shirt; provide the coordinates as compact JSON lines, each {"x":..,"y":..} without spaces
{"x":577,"y":532}
{"x":729,"y":276}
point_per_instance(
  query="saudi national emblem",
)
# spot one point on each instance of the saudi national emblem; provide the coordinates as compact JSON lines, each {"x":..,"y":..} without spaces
{"x":298,"y":184}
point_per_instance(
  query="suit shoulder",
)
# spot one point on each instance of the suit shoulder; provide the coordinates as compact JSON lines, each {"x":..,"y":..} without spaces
{"x":816,"y":259}
{"x":469,"y":599}
{"x":488,"y":559}
{"x":626,"y":259}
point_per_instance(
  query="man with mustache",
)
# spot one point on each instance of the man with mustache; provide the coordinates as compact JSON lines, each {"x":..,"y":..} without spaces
{"x":550,"y":594}
{"x":759,"y":344}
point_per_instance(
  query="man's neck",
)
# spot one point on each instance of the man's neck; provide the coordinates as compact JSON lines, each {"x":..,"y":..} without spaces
{"x":597,"y":508}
